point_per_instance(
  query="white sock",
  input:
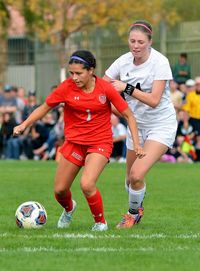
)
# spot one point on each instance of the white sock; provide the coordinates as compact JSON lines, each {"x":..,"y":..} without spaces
{"x":136,"y":197}
{"x":126,"y":186}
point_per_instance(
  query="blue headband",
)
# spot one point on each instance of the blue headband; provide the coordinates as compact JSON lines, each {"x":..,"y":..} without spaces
{"x":80,"y":59}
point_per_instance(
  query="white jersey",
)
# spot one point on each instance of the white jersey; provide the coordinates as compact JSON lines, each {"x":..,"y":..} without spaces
{"x":155,"y":68}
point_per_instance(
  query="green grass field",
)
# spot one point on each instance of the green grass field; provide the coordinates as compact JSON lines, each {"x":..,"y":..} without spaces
{"x":167,"y":239}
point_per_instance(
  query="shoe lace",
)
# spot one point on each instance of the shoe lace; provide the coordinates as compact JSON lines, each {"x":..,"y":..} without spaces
{"x":127,"y":219}
{"x":66,"y":217}
{"x":97,"y":225}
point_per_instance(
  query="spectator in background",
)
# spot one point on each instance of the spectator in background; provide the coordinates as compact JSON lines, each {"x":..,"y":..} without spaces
{"x":190,"y":85}
{"x":55,"y":138}
{"x":187,"y":87}
{"x":184,"y":126}
{"x":184,"y":146}
{"x":33,"y":138}
{"x":55,"y":111}
{"x":10,"y":145}
{"x":185,"y":138}
{"x":22,"y":95}
{"x":192,"y":106}
{"x":20,"y":104}
{"x":1,"y":94}
{"x":182,"y":152}
{"x":1,"y":136}
{"x":8,"y":103}
{"x":176,"y":96}
{"x":49,"y":123}
{"x":31,"y":104}
{"x":119,"y":136}
{"x":181,"y":71}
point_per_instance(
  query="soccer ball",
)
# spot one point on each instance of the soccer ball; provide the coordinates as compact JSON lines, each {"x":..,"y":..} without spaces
{"x":31,"y":215}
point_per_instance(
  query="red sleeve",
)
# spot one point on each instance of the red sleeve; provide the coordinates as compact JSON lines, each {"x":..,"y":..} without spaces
{"x":58,"y":95}
{"x":115,"y":98}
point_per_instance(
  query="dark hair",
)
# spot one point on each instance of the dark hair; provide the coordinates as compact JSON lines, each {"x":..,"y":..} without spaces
{"x":83,"y":57}
{"x":53,"y":87}
{"x":183,"y":55}
{"x":31,"y":93}
{"x":143,"y":26}
{"x":15,"y":89}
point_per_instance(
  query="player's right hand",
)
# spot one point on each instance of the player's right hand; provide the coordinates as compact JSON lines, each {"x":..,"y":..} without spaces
{"x":140,"y":153}
{"x":18,"y":130}
{"x":118,"y":85}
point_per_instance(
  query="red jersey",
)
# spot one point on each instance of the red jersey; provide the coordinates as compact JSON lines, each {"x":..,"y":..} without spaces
{"x":87,"y":115}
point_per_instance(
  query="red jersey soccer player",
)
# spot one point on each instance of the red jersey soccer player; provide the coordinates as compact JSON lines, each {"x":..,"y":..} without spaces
{"x":88,"y":136}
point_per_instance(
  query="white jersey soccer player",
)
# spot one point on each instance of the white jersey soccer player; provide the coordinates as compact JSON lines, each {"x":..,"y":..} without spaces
{"x":143,"y":76}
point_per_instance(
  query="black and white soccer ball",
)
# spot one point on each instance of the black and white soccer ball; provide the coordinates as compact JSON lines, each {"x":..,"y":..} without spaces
{"x":31,"y":215}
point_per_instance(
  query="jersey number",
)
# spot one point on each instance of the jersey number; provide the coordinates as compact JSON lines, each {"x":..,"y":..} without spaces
{"x":88,"y":115}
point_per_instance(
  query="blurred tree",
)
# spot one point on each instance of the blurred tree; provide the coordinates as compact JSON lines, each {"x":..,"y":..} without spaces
{"x":54,"y":21}
{"x":4,"y":22}
{"x":186,"y":10}
{"x":4,"y":17}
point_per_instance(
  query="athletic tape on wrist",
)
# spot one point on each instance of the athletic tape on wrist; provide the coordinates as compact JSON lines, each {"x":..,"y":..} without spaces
{"x":129,"y":89}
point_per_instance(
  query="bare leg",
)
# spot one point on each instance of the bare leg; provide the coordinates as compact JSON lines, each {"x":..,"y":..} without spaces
{"x":154,"y":150}
{"x":65,"y":175}
{"x":94,"y":165}
{"x":136,"y":172}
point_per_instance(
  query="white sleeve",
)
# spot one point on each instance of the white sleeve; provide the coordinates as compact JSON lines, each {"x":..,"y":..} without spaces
{"x":163,"y":72}
{"x":113,"y":71}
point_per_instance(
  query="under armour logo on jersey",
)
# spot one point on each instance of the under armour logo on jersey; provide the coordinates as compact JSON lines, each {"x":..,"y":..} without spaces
{"x":76,"y":98}
{"x":100,"y":149}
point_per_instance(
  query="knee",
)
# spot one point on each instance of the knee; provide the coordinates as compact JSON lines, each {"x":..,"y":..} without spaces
{"x":87,"y":187}
{"x":136,"y":179}
{"x":59,"y":190}
{"x":60,"y":193}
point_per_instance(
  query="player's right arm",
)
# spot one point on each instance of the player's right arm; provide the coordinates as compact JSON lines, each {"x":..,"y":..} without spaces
{"x":131,"y":121}
{"x":37,"y":114}
{"x":122,"y":107}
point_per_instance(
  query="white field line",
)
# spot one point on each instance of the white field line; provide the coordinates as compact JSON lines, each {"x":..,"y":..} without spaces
{"x":91,"y":249}
{"x":102,"y":236}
